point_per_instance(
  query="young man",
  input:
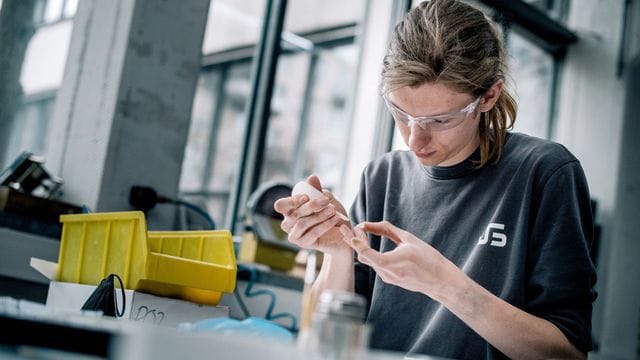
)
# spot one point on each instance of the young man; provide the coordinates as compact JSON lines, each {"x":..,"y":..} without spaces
{"x":474,"y":243}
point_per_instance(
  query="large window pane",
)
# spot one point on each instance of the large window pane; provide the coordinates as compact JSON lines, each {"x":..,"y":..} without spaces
{"x":284,"y":124}
{"x":196,"y":152}
{"x":216,"y":136}
{"x":329,"y":116}
{"x":310,"y":122}
{"x":232,"y":24}
{"x":30,"y":126}
{"x":224,"y":158}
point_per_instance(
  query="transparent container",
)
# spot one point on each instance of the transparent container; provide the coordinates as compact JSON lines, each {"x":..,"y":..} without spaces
{"x":338,"y":330}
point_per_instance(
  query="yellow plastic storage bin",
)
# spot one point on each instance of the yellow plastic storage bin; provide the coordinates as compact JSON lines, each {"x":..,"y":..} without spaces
{"x":93,"y":246}
{"x":192,"y":265}
{"x":210,"y":247}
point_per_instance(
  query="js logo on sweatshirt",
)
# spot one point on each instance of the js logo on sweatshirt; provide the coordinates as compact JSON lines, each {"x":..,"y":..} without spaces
{"x":498,"y":239}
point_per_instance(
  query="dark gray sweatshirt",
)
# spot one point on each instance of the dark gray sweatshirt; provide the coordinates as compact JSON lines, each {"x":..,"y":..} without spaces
{"x":521,"y":228}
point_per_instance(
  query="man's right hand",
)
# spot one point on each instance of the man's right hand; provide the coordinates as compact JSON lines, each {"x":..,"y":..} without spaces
{"x":313,"y":224}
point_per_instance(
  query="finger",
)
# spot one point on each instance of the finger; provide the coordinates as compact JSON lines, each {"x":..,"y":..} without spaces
{"x":387,"y":276}
{"x":314,"y":207}
{"x":314,"y":181}
{"x":386,"y":229}
{"x":337,"y":204}
{"x":311,"y":207}
{"x":359,"y":240}
{"x":303,"y":224}
{"x":329,"y":195}
{"x":288,"y":204}
{"x":360,"y":245}
{"x":287,"y":224}
{"x":347,"y":233}
{"x":314,"y":233}
{"x":366,"y":254}
{"x":360,"y":233}
{"x":300,"y":199}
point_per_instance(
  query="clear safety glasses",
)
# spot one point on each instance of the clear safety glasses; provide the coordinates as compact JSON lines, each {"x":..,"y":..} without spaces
{"x":432,"y":123}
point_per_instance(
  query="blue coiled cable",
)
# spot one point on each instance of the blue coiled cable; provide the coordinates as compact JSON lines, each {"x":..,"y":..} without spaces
{"x":249,"y":292}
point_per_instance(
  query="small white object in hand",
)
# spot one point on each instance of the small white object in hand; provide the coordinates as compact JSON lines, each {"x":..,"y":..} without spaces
{"x":304,"y":187}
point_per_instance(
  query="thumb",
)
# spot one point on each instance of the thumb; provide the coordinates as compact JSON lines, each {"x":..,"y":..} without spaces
{"x":314,"y":181}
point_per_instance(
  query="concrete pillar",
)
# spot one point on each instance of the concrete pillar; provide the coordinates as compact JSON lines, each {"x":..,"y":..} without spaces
{"x":123,"y":110}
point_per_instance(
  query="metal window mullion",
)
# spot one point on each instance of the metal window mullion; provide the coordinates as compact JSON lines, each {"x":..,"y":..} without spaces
{"x":64,"y":6}
{"x":623,"y":40}
{"x":42,"y":124}
{"x":553,"y":97}
{"x":303,"y":131}
{"x":263,"y":75}
{"x":38,"y":12}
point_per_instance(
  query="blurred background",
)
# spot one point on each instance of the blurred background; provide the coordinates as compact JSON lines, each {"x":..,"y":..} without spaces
{"x":207,"y":100}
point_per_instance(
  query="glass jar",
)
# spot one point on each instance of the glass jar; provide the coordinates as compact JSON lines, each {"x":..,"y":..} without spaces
{"x":337,"y":328}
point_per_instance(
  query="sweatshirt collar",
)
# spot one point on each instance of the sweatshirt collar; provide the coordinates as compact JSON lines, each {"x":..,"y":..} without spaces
{"x":461,"y":169}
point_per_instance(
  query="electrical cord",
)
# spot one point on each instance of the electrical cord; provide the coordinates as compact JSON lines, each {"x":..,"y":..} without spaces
{"x":196,"y":209}
{"x":146,"y":198}
{"x":250,"y":292}
{"x":243,"y":307}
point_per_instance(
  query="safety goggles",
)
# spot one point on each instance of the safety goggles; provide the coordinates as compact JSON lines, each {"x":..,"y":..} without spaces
{"x":432,"y":123}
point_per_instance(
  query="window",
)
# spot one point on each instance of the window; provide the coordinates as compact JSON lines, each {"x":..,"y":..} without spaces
{"x":41,"y":74}
{"x":51,"y":11}
{"x":309,"y":122}
{"x":30,"y":126}
{"x":218,"y":123}
{"x":533,"y":72}
{"x":218,"y":120}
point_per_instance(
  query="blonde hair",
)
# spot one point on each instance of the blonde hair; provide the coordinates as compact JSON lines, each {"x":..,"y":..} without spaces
{"x":455,"y":44}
